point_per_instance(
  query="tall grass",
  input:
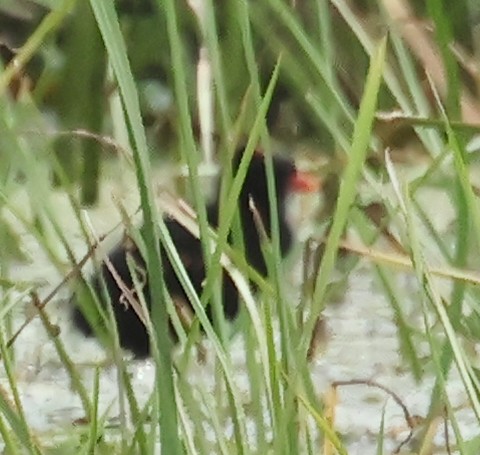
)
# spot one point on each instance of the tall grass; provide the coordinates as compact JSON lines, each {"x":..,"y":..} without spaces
{"x":316,"y":52}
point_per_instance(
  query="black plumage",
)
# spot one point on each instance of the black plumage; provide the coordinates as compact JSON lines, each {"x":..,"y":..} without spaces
{"x":132,"y":332}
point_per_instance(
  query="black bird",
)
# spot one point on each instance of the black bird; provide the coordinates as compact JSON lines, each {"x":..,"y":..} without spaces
{"x":131,"y":330}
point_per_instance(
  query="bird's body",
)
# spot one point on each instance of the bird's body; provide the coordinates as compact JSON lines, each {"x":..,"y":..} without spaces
{"x":131,"y":330}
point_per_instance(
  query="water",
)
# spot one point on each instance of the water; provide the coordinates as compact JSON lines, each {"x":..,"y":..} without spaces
{"x":361,"y":344}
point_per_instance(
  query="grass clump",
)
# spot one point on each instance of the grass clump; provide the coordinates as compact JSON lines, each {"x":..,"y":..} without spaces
{"x":380,"y":98}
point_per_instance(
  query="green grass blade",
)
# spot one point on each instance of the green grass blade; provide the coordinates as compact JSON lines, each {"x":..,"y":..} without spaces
{"x":111,"y":34}
{"x":347,"y":194}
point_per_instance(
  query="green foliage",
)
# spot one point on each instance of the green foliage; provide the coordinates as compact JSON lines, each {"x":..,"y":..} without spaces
{"x":81,"y":81}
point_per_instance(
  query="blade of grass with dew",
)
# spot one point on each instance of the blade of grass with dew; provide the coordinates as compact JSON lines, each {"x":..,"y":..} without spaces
{"x":110,"y":29}
{"x":347,"y":194}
